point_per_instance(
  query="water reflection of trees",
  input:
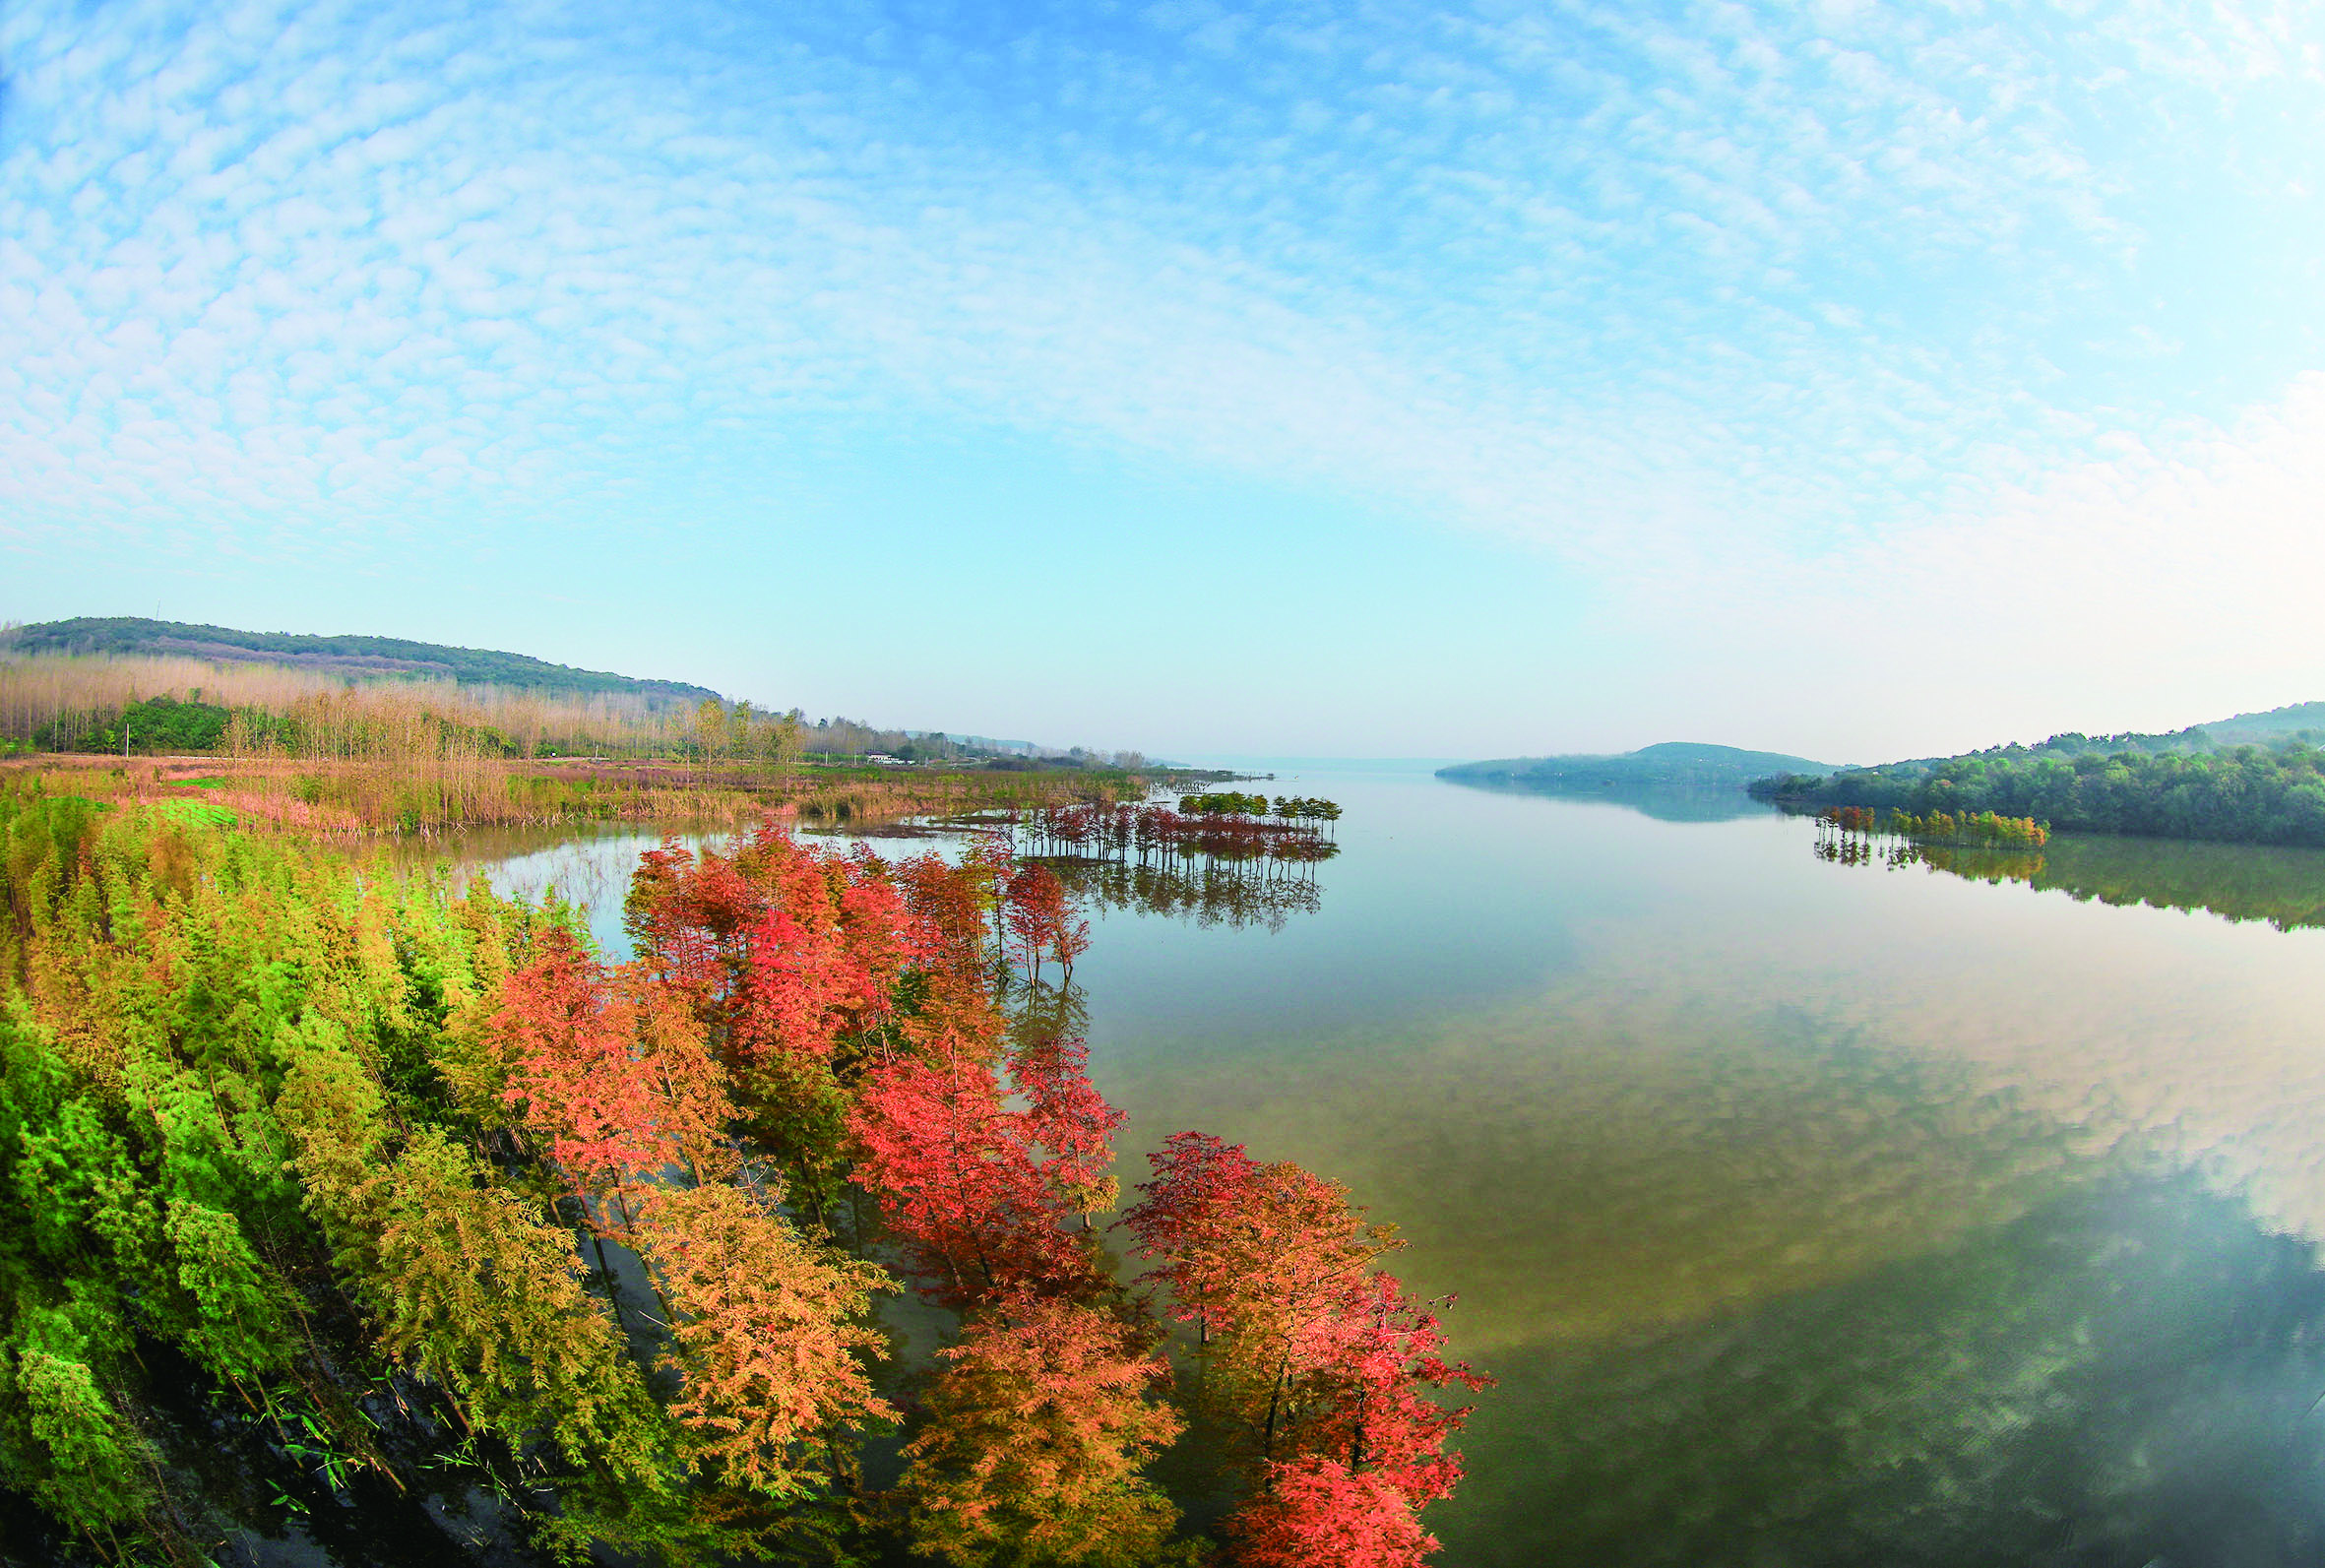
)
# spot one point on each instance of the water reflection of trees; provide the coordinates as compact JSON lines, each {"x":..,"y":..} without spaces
{"x":1665,"y":803}
{"x":1213,"y":867}
{"x":1227,"y":827}
{"x":1205,"y":890}
{"x":2284,"y":886}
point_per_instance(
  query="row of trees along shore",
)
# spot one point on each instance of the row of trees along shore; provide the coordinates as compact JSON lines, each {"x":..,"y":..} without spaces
{"x":1864,"y":836}
{"x":1982,"y":830}
{"x":317,"y":754}
{"x":1206,"y":892}
{"x":1213,"y":858}
{"x":2250,"y":794}
{"x":359,"y":1201}
{"x":144,"y":705}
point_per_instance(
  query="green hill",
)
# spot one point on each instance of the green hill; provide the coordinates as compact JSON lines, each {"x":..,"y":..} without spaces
{"x":2298,"y":721}
{"x":2253,"y":779}
{"x":338,"y":654}
{"x":1672,"y":765}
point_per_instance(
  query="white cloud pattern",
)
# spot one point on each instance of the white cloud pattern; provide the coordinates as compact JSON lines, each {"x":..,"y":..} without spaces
{"x":1685,"y":294}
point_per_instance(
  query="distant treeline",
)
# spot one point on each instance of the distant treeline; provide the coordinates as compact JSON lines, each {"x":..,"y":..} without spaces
{"x":339,"y":654}
{"x":148,"y":705}
{"x":2146,"y":785}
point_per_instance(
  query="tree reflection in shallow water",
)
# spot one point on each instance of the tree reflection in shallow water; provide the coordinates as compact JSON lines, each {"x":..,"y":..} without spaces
{"x":2285,"y":887}
{"x":1208,"y":891}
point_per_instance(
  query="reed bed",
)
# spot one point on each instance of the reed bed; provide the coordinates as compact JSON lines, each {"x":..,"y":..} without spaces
{"x":452,"y":792}
{"x":336,"y":717}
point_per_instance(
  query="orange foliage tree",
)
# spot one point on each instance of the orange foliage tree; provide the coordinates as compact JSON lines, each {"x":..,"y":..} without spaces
{"x":767,"y":1337}
{"x":1037,"y":1429}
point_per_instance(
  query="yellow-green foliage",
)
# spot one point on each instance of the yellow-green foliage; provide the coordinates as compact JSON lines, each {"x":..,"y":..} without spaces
{"x":82,"y":1459}
{"x":223,"y":1129}
{"x":347,"y":1173}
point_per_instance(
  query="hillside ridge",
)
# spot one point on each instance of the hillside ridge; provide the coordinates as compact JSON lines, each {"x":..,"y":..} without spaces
{"x":1669,"y":763}
{"x":348,"y":654}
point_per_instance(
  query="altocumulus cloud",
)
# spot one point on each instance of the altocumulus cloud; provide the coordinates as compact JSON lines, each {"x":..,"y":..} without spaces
{"x":1705,"y":297}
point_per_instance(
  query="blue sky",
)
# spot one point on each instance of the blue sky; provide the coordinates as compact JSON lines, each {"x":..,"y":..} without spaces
{"x":1361,"y":379}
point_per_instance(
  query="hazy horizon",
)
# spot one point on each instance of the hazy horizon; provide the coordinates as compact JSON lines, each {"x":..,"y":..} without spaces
{"x":1852,"y":381}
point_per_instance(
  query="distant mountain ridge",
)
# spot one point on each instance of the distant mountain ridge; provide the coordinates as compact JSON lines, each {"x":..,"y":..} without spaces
{"x":1696,"y":764}
{"x":1669,"y":765}
{"x":345,"y":654}
{"x":2274,"y":725}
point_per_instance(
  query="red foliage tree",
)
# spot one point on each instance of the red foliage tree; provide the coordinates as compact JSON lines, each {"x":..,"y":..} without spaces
{"x":1365,"y":1385}
{"x":1070,"y":1121}
{"x":608,"y":1069}
{"x":951,"y":903}
{"x":793,"y":961}
{"x":1313,"y":1511}
{"x":1247,"y":1246}
{"x":962,"y":1180}
{"x":782,"y":949}
{"x":1321,"y":1363}
{"x":568,"y":1042}
{"x":1041,"y":921}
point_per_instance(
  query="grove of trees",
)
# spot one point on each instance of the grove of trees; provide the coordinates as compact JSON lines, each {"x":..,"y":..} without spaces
{"x":2251,"y":795}
{"x":364,"y":1200}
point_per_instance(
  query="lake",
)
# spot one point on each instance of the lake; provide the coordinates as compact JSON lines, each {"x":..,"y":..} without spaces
{"x":1807,"y":1213}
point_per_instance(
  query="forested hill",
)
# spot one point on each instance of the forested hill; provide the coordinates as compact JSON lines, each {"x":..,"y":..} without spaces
{"x":1672,"y":765}
{"x":2300,"y":721}
{"x":2185,"y":784}
{"x":341,"y":655}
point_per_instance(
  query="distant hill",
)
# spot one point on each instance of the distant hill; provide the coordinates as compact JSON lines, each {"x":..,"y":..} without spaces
{"x":2296,"y":722}
{"x":2278,"y":723}
{"x":1672,"y":765}
{"x":2250,"y":778}
{"x":338,"y":655}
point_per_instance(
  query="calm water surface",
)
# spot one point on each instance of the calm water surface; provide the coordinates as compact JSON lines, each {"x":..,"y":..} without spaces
{"x":1807,"y":1214}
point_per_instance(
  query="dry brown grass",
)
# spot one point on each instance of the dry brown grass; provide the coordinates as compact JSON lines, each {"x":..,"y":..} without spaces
{"x":414,"y":756}
{"x":426,"y":794}
{"x":339,"y":719}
